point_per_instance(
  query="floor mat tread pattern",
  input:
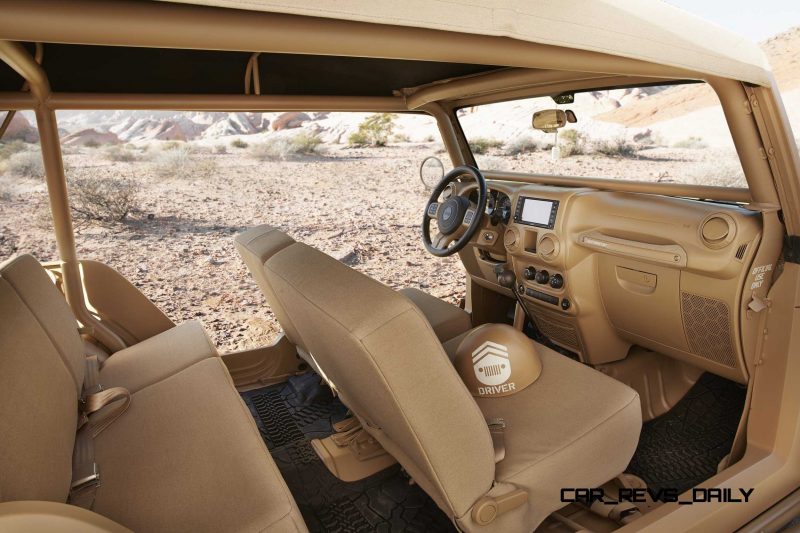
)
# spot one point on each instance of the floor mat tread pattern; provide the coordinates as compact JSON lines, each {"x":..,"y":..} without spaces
{"x":289,"y":415}
{"x":683,"y":447}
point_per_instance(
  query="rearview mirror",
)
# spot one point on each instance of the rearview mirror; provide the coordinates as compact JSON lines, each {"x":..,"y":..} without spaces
{"x":431,"y":171}
{"x":549,"y":120}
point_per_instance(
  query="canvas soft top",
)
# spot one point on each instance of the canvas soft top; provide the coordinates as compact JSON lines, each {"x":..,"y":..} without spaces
{"x":648,"y":30}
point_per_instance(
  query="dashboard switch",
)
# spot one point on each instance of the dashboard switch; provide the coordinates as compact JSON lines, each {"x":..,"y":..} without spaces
{"x":529,"y":273}
{"x":565,"y":304}
{"x":542,"y":277}
{"x":556,"y":281}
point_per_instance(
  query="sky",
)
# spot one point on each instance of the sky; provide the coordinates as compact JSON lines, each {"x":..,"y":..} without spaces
{"x":756,"y":19}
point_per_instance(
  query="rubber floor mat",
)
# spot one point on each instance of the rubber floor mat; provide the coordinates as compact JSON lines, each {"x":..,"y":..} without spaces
{"x":683,"y":447}
{"x":289,"y":416}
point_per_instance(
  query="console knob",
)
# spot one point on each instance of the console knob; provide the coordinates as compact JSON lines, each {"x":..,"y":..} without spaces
{"x":529,"y":273}
{"x":542,"y":277}
{"x":557,"y":281}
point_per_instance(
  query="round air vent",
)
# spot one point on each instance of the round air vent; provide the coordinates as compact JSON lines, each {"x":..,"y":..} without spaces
{"x":717,"y":230}
{"x":548,"y":247}
{"x":511,"y":238}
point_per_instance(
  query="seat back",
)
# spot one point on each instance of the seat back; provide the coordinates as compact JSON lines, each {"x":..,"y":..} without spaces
{"x":390,"y":369}
{"x":256,"y":246}
{"x":41,"y":374}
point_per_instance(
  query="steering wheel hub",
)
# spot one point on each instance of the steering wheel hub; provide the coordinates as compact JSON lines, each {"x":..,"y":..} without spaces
{"x":451,"y":214}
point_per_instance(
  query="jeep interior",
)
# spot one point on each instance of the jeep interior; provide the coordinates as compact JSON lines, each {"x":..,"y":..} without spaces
{"x":617,"y":332}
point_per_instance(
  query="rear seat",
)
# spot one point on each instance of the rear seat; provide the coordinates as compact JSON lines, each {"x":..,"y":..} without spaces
{"x":185,"y":456}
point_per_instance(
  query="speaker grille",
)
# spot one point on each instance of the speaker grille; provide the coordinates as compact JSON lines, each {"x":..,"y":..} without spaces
{"x":563,"y":334}
{"x":707,"y":322}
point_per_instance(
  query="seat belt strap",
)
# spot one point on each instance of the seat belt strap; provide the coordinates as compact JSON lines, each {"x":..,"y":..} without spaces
{"x":91,"y":422}
{"x":119,"y":396}
{"x":85,"y":473}
{"x":497,"y":427}
{"x":91,"y":378}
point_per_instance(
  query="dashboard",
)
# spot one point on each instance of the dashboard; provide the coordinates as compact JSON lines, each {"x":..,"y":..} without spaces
{"x":602,"y":271}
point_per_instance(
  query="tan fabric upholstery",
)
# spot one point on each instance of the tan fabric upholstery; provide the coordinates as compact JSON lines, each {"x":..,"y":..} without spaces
{"x":574,"y":427}
{"x":389,"y":367}
{"x":33,"y":286}
{"x":450,"y":346}
{"x":447,"y":320}
{"x":256,"y":246}
{"x":157,"y":358}
{"x":187,"y":456}
{"x":38,"y":404}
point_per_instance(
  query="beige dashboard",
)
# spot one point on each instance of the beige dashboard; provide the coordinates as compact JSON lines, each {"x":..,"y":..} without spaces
{"x":609,"y":270}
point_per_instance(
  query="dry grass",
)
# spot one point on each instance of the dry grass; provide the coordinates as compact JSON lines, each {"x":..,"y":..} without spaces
{"x":285,"y":147}
{"x":182,"y":162}
{"x":25,"y":165}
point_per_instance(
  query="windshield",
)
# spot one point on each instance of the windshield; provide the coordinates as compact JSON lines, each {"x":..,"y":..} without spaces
{"x":668,"y":134}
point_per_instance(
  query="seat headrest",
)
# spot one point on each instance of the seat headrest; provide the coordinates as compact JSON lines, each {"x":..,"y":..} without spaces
{"x":262,"y":241}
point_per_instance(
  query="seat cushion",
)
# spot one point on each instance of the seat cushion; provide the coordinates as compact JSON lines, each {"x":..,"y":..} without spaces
{"x":446,"y":319}
{"x":187,"y":456}
{"x":157,"y":358}
{"x":573,"y":427}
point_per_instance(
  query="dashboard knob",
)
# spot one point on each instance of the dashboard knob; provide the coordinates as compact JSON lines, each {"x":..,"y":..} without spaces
{"x":557,"y":281}
{"x":529,"y":273}
{"x":542,"y":277}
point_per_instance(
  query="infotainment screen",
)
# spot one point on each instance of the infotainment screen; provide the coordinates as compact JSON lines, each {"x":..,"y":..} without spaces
{"x":536,"y":212}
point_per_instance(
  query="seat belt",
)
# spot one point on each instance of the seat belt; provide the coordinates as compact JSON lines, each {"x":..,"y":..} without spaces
{"x":91,"y":422}
{"x":497,"y":427}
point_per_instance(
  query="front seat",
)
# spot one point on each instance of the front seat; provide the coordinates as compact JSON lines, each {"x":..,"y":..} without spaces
{"x":573,"y":427}
{"x":256,"y":245}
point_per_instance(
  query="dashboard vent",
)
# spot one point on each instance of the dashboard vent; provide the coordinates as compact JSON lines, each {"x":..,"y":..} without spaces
{"x":741,"y":251}
{"x":707,"y":322}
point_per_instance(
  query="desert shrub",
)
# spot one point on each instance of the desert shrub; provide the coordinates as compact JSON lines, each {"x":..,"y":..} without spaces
{"x":480,"y":145}
{"x":374,"y":130}
{"x":401,"y":138}
{"x":119,"y":153}
{"x":520,"y":144}
{"x":172,"y":145}
{"x":26,"y":165}
{"x":238,"y":143}
{"x":572,"y":142}
{"x":694,"y":143}
{"x":283,"y":147}
{"x":7,"y":149}
{"x":305,"y":143}
{"x":430,"y":139}
{"x":91,"y":143}
{"x":103,"y":200}
{"x":619,"y":147}
{"x":271,"y":149}
{"x":183,"y":163}
{"x":220,"y":149}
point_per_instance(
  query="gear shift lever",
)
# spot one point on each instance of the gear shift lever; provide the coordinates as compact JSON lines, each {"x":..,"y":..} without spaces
{"x":507,"y":278}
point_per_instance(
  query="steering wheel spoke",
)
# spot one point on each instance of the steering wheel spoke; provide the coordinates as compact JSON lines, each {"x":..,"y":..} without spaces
{"x":432,"y":210}
{"x":469,"y":215}
{"x":442,"y":241}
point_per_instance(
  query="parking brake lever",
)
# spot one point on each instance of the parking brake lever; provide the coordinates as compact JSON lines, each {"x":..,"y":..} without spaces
{"x":506,"y":278}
